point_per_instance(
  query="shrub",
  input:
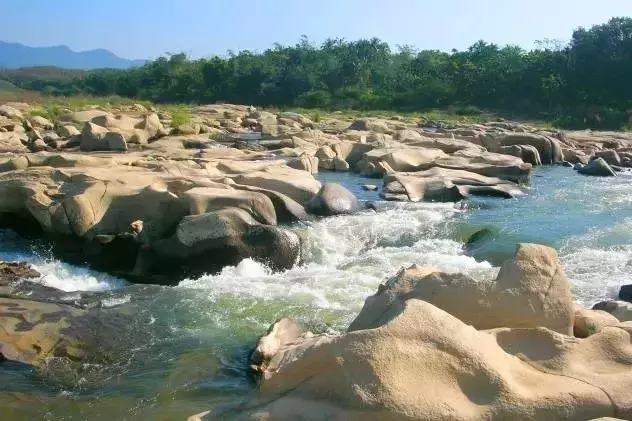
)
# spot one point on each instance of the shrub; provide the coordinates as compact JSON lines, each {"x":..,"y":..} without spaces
{"x":467,"y":110}
{"x":180,"y":117}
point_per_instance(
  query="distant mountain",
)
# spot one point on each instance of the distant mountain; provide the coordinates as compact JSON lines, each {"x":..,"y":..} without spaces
{"x":14,"y":55}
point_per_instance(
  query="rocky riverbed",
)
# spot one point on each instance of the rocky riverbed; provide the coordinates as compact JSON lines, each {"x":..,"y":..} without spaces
{"x":122,"y":193}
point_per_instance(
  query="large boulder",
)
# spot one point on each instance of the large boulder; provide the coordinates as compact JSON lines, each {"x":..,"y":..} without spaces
{"x":444,"y":185}
{"x":370,"y":125}
{"x":425,"y":364}
{"x":210,"y":199}
{"x":489,"y":164}
{"x":10,"y":112}
{"x":207,"y":242}
{"x":304,"y":162}
{"x":610,"y":156}
{"x":549,"y":149}
{"x":403,"y":159}
{"x":530,"y":291}
{"x":300,"y":186}
{"x":11,"y":142}
{"x":597,"y":167}
{"x":333,"y":199}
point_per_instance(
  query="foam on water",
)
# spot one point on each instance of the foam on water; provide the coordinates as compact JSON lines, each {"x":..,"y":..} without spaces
{"x":346,"y":257}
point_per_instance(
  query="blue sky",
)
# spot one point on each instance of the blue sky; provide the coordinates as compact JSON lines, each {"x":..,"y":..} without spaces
{"x":149,"y":28}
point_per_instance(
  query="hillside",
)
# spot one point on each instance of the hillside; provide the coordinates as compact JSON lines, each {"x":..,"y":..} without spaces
{"x":13,"y":55}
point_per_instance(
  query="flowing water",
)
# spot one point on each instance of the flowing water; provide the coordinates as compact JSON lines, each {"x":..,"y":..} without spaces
{"x":192,"y":352}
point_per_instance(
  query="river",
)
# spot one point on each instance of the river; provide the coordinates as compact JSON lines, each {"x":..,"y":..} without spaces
{"x":193,"y":354}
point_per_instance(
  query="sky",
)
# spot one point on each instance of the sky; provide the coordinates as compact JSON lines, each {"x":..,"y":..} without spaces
{"x":142,"y":29}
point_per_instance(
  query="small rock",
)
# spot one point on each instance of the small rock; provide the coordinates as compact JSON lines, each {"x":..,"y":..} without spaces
{"x":369,"y":187}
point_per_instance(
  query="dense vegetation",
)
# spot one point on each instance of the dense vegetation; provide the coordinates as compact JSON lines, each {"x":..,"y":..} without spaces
{"x":586,"y":83}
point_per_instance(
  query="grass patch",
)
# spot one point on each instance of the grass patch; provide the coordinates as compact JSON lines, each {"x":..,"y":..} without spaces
{"x":180,"y":115}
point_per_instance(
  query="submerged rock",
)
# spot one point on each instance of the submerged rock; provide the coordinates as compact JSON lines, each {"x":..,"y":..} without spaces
{"x":625,"y":293}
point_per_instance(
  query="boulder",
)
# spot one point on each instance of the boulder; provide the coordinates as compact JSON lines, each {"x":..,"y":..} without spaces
{"x":597,"y":167}
{"x":527,"y":153}
{"x":575,"y":156}
{"x":282,"y":333}
{"x":207,"y":242}
{"x":41,"y":122}
{"x":304,"y":162}
{"x":152,"y":126}
{"x":610,"y":156}
{"x":333,"y":199}
{"x":67,"y":131}
{"x":530,"y":291}
{"x":370,"y":125}
{"x":92,"y":137}
{"x":489,"y":164}
{"x":11,"y":142}
{"x":298,"y":185}
{"x":425,"y":364}
{"x":84,"y":116}
{"x":325,"y":152}
{"x":209,"y":199}
{"x":10,"y":112}
{"x":589,"y":322}
{"x":444,"y":185}
{"x":369,"y":187}
{"x":549,"y":149}
{"x":625,"y":293}
{"x":404,"y":159}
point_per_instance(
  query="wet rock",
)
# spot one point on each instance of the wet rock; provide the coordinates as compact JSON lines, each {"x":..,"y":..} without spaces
{"x":625,"y":293}
{"x":610,"y":156}
{"x":622,"y":310}
{"x":597,"y":167}
{"x":333,"y":199}
{"x":369,"y":187}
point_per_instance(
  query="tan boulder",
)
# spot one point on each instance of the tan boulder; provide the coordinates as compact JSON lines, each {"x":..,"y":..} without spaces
{"x":85,"y":116}
{"x":589,"y":322}
{"x":208,"y":199}
{"x":405,"y":159}
{"x":425,"y":364}
{"x":549,"y":148}
{"x":300,"y":186}
{"x":10,"y":112}
{"x":444,"y":185}
{"x":487,"y":163}
{"x":41,"y":122}
{"x":370,"y":125}
{"x":67,"y":131}
{"x":305,"y":163}
{"x":11,"y":142}
{"x":530,"y":291}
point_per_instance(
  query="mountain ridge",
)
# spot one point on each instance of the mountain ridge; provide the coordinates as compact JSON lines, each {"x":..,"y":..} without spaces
{"x":16,"y":55}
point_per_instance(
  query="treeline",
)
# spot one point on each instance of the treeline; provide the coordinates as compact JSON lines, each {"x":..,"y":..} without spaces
{"x":585,"y":83}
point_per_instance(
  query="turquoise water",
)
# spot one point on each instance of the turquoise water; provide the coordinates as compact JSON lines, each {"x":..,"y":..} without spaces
{"x":192,"y":352}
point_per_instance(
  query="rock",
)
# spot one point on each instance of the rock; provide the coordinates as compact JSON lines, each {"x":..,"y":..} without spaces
{"x":84,"y":116}
{"x":325,"y":152}
{"x":488,"y":164}
{"x":527,"y":153}
{"x":444,"y":185}
{"x":425,"y":364}
{"x":333,"y":199}
{"x":202,"y":200}
{"x":620,"y":309}
{"x":575,"y":156}
{"x":10,"y":142}
{"x":282,"y":333}
{"x":39,"y":145}
{"x":625,"y":293}
{"x":404,"y":159}
{"x":113,"y":141}
{"x":530,"y":291}
{"x":10,"y":112}
{"x":370,"y":125}
{"x":597,"y":167}
{"x":549,"y":149}
{"x":589,"y":322}
{"x":92,"y":137}
{"x":37,"y":332}
{"x":152,"y":126}
{"x":369,"y":187}
{"x":229,"y":235}
{"x":340,"y":165}
{"x":298,"y":185}
{"x":305,"y":163}
{"x":610,"y":156}
{"x":41,"y":122}
{"x":188,"y":129}
{"x":67,"y":131}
